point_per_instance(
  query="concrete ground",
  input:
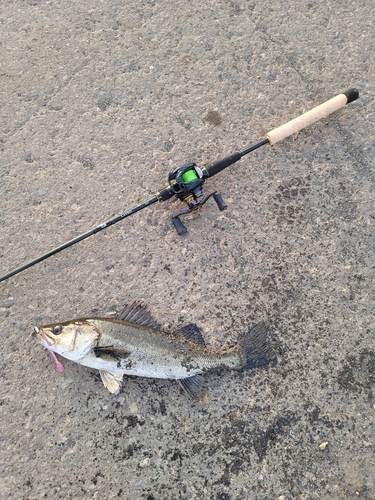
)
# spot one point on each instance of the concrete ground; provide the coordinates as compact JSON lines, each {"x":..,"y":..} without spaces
{"x":99,"y":102}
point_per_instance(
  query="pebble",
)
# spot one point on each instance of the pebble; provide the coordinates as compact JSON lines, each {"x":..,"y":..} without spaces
{"x":144,"y":463}
{"x":323,"y":445}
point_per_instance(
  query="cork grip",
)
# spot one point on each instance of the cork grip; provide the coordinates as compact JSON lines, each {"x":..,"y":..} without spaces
{"x":311,"y":116}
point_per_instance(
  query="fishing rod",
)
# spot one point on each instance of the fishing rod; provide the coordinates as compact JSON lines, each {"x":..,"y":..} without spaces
{"x":185,"y":183}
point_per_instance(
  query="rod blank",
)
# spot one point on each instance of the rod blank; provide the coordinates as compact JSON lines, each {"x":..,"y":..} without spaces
{"x":312,"y":116}
{"x":83,"y":236}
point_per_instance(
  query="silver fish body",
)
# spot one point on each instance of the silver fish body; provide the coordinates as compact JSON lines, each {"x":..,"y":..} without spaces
{"x":151,"y":353}
{"x":132,"y":344}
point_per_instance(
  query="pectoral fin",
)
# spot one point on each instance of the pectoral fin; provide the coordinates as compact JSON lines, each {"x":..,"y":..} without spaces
{"x":111,"y":381}
{"x":110,"y":353}
{"x":192,"y":386}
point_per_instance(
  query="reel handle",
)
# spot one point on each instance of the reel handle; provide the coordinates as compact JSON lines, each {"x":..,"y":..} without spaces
{"x":220,"y":202}
{"x":180,"y":228}
{"x":312,"y":116}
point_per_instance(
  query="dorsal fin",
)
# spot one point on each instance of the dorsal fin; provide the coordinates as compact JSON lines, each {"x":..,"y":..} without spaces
{"x":137,"y":313}
{"x":191,"y":332}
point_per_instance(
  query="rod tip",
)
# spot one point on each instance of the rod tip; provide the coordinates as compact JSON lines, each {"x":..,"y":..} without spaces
{"x":351,"y":95}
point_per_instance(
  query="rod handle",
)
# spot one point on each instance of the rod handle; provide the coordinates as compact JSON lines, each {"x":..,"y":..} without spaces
{"x":312,"y":116}
{"x":220,"y":165}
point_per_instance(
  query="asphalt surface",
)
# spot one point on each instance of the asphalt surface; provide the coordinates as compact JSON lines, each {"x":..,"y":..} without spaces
{"x":99,"y":102}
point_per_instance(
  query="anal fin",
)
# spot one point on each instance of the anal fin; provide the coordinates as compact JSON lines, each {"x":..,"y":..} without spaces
{"x":111,"y":381}
{"x":192,"y":386}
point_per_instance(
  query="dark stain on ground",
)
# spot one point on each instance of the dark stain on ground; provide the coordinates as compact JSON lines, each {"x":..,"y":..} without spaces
{"x":246,"y":434}
{"x":322,"y":425}
{"x":315,"y":418}
{"x":358,"y":372}
{"x":173,"y":455}
{"x":225,"y":479}
{"x":86,"y":162}
{"x":223,"y":496}
{"x":289,"y":205}
{"x":265,"y":439}
{"x":157,"y":406}
{"x":129,"y":451}
{"x":214,"y":118}
{"x":104,"y":102}
{"x":94,"y":480}
{"x":132,"y":422}
{"x":292,"y":188}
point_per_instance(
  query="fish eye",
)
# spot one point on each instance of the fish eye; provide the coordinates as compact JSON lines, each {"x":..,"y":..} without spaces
{"x":57,"y":330}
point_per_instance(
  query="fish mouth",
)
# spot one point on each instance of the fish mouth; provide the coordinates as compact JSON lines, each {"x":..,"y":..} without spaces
{"x":42,"y":337}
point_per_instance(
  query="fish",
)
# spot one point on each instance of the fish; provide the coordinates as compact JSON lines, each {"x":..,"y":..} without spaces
{"x":132,"y":343}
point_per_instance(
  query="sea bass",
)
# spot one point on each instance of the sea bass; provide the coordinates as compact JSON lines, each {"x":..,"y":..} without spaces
{"x":133,"y":344}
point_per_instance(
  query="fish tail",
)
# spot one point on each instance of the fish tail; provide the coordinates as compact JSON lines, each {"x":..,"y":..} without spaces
{"x":255,"y":347}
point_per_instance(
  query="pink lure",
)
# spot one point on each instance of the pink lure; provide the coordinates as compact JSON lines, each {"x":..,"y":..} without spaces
{"x":59,"y":366}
